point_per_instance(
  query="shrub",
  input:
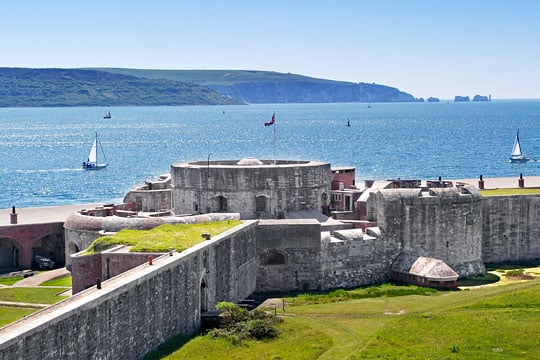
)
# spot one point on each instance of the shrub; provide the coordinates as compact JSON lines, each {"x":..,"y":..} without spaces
{"x":515,"y":272}
{"x":238,"y":324}
{"x":231,"y":313}
{"x":261,"y":329}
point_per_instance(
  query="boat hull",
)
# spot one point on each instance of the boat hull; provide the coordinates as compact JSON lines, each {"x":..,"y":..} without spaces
{"x":520,"y":160}
{"x":94,"y":166}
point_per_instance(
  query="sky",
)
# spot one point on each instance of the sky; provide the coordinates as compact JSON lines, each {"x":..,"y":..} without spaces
{"x":439,"y":48}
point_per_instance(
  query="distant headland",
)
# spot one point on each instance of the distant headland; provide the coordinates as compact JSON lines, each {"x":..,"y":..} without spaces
{"x":24,"y":87}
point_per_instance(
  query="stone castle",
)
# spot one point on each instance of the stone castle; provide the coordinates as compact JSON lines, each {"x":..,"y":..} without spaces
{"x":306,"y":227}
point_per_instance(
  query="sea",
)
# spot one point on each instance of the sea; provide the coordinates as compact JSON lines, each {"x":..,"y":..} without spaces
{"x":41,"y":149}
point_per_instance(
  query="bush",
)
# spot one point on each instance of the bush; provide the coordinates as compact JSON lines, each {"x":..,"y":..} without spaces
{"x":238,"y":324}
{"x":261,"y":329}
{"x":515,"y":272}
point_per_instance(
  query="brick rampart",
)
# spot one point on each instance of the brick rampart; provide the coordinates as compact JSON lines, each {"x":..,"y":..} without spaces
{"x":27,"y":235}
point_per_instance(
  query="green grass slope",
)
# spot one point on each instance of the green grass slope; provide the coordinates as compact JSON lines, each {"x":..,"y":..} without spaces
{"x":500,"y":322}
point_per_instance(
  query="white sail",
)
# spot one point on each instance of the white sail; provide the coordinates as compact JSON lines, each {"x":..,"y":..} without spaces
{"x":92,"y":157}
{"x":516,"y":156}
{"x":516,"y":150}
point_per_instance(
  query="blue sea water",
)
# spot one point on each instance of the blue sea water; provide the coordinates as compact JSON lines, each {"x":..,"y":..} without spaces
{"x":41,"y":149}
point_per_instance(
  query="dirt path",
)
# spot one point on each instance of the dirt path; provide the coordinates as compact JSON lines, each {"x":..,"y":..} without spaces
{"x":37,"y":279}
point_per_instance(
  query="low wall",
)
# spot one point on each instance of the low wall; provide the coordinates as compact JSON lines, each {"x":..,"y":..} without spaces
{"x":510,"y":228}
{"x":135,"y":312}
{"x":87,"y":269}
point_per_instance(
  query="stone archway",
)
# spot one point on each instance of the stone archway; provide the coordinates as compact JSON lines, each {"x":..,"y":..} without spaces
{"x":72,"y":249}
{"x":324,"y":204}
{"x":10,"y":252}
{"x":261,"y":204}
{"x":220,"y":204}
{"x":204,"y":296}
{"x":52,"y":247}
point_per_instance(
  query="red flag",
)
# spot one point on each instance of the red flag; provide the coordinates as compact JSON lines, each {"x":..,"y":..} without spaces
{"x":271,"y":122}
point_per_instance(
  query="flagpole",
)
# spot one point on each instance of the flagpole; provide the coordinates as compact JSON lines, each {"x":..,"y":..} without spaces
{"x":274,"y":144}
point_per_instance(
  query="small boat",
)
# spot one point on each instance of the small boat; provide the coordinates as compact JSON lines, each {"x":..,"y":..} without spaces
{"x":107,"y":115}
{"x":348,"y":123}
{"x":92,"y":162}
{"x":517,"y":156}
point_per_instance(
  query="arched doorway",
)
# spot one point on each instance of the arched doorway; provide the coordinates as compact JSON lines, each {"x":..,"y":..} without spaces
{"x":260,"y":204}
{"x":72,"y":248}
{"x":51,"y":247}
{"x":220,"y":203}
{"x":324,"y":204}
{"x":204,"y":296}
{"x":10,"y":252}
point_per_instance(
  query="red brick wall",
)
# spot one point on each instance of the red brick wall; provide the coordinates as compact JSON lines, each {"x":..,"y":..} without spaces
{"x":86,"y":269}
{"x":27,"y":235}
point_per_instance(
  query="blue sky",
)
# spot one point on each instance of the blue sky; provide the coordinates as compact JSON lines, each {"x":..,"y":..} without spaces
{"x":428,"y":48}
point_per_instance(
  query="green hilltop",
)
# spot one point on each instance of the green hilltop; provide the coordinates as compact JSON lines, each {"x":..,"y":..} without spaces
{"x":21,"y":87}
{"x":254,"y":86}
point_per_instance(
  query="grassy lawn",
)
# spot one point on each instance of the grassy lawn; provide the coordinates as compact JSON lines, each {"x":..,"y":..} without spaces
{"x":31,"y":295}
{"x":510,"y":191}
{"x":10,"y":314}
{"x":159,"y":239}
{"x":494,"y":322}
{"x":6,"y":280}
{"x":65,"y":281}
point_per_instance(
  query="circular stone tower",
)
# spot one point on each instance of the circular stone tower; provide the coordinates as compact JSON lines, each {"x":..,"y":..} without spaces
{"x":254,"y":188}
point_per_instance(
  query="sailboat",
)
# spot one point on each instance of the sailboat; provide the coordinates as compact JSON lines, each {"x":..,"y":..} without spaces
{"x":92,"y":162}
{"x":517,"y":156}
{"x":107,"y":115}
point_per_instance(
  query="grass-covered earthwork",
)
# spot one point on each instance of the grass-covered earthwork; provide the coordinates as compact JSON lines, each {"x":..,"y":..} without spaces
{"x":159,"y":239}
{"x":510,"y":191}
{"x":487,"y":322}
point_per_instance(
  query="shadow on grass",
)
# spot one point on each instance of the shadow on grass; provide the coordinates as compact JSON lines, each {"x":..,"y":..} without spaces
{"x":488,"y":278}
{"x":168,"y":347}
{"x":512,"y":265}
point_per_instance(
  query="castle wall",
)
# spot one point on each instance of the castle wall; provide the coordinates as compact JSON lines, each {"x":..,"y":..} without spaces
{"x":445,"y":224}
{"x":138,"y":310}
{"x":153,"y":196}
{"x":510,"y":228}
{"x":149,"y":200}
{"x":289,"y":255}
{"x":354,"y":260}
{"x":253,"y":191}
